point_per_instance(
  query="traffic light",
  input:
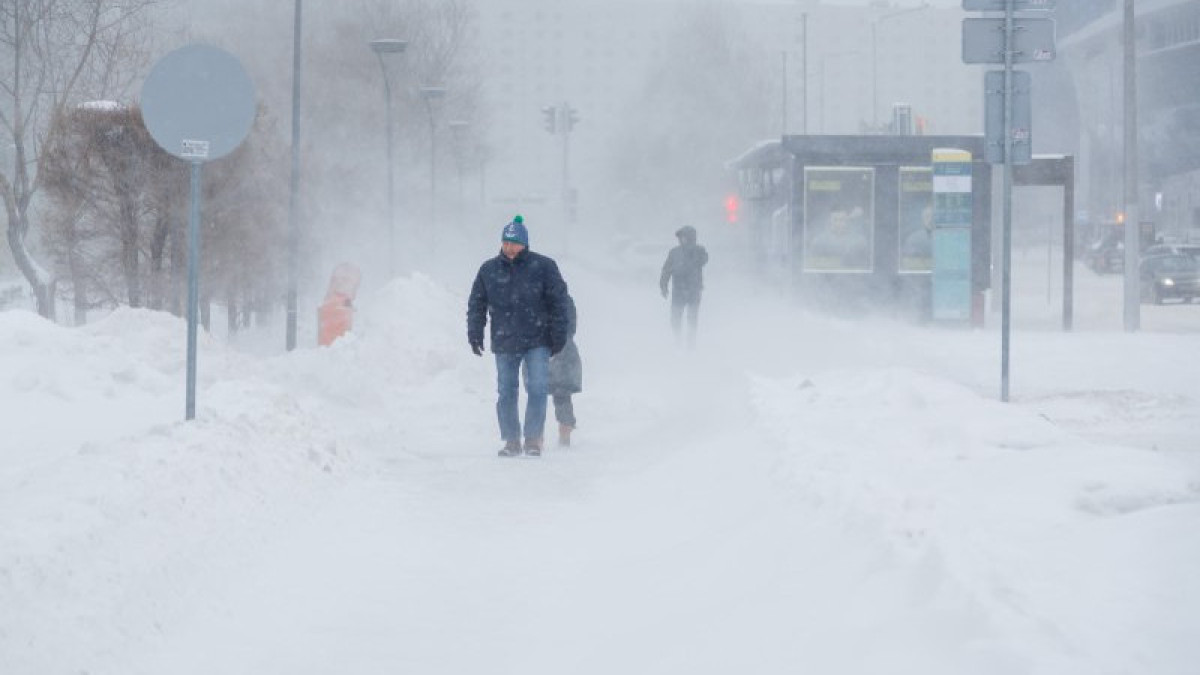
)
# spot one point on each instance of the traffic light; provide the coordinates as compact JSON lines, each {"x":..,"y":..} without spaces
{"x":572,"y":118}
{"x":731,"y":209}
{"x":550,"y":123}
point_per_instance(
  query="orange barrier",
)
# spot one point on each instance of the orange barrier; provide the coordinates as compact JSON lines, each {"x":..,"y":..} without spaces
{"x":335,"y":316}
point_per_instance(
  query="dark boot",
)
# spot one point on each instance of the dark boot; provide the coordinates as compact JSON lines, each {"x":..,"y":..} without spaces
{"x":564,"y":435}
{"x":533,"y":447}
{"x":510,"y":449}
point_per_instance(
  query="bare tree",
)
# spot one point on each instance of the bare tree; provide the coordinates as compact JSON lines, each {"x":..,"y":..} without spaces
{"x":53,"y":54}
{"x":109,"y":190}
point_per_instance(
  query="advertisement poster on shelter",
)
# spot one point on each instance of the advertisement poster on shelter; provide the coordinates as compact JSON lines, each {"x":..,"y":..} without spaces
{"x":916,"y":219}
{"x":839,"y":219}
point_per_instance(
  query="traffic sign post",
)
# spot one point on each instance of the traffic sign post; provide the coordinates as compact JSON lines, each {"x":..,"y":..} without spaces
{"x":1007,"y":40}
{"x":198,"y":105}
{"x":1021,"y":124}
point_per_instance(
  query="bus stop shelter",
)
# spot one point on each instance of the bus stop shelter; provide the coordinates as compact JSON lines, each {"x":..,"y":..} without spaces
{"x":849,"y":218}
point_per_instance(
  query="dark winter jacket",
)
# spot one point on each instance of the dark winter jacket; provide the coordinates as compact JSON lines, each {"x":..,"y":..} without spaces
{"x":684,"y":268}
{"x":566,"y":367}
{"x":526,"y":299}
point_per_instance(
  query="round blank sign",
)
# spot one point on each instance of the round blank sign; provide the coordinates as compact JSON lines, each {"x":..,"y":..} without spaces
{"x":198,"y":103}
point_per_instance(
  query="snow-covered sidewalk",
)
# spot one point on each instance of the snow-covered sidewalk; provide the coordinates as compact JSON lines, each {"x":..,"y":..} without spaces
{"x":800,"y":493}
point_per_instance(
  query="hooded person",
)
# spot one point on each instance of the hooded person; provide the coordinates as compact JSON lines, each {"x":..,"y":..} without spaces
{"x":683,"y":275}
{"x":523,"y":296}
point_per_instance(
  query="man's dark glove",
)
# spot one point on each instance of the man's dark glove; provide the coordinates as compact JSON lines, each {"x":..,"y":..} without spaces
{"x":556,"y":347}
{"x":477,"y":347}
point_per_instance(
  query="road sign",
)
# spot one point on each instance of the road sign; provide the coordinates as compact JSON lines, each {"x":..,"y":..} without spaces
{"x":983,"y":40}
{"x":999,"y":5}
{"x":1021,"y":122}
{"x":198,"y":103}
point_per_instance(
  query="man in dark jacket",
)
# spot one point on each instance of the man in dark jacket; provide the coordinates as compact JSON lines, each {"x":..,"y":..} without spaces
{"x":684,"y":270}
{"x":526,"y":298}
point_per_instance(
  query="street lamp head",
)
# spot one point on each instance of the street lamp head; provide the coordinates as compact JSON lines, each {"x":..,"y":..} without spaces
{"x":388,"y":46}
{"x":458,"y":125}
{"x":430,"y":92}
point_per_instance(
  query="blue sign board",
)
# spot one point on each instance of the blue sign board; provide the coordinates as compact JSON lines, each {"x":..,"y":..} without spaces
{"x":952,"y":214}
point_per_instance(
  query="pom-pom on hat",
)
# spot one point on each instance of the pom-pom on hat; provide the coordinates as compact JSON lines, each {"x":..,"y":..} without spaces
{"x":515,"y":231}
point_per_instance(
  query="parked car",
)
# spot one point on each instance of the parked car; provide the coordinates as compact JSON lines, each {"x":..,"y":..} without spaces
{"x":1169,"y":276}
{"x":1188,"y":249}
{"x":1160,"y":249}
{"x":1106,"y":254}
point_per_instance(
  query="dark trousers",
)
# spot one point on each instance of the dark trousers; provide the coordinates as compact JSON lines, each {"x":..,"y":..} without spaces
{"x":564,"y":409}
{"x":693,"y":316}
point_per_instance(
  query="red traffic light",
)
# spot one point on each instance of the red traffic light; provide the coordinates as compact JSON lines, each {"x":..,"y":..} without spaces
{"x":731,"y":208}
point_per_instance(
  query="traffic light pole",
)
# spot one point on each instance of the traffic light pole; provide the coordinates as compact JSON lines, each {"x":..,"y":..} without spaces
{"x":561,"y":120}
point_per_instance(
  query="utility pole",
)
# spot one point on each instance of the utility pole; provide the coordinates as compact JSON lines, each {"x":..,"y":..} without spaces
{"x":1132,"y":217}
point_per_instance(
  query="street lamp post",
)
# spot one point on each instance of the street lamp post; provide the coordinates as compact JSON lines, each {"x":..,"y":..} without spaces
{"x":875,"y":57}
{"x":382,"y":47}
{"x":294,"y":186}
{"x":429,"y":94}
{"x":824,"y":58}
{"x":457,"y":129}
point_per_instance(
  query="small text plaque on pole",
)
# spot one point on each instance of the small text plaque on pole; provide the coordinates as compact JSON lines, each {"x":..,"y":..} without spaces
{"x":198,"y":105}
{"x":985,"y":40}
{"x":1021,"y":124}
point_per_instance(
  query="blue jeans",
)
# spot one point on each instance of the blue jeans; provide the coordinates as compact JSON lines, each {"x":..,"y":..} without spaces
{"x":508,"y":380}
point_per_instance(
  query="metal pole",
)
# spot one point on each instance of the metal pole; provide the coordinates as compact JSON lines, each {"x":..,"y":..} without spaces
{"x":1132,"y":217}
{"x":432,"y":175}
{"x":294,"y":188}
{"x":564,"y":125}
{"x":822,"y":110}
{"x":1049,"y":261}
{"x":387,"y":96}
{"x":193,"y":290}
{"x":784,"y":87}
{"x":1006,"y":248}
{"x":1068,"y":256}
{"x":874,"y":76}
{"x":804,"y":72}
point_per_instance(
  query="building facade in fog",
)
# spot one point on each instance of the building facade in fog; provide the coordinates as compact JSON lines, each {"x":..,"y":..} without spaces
{"x":1168,"y":78}
{"x":596,"y":55}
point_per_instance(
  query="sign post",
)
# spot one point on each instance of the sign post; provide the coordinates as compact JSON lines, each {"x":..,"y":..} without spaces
{"x":198,"y":105}
{"x":1007,"y":40}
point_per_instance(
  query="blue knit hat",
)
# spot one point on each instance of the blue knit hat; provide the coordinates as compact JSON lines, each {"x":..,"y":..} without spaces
{"x":515,"y":232}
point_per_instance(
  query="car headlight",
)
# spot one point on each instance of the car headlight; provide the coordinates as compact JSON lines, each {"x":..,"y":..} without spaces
{"x":1168,"y":282}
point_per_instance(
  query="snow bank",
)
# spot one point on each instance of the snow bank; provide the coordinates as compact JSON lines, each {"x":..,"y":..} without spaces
{"x":108,"y":501}
{"x":1029,"y":518}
